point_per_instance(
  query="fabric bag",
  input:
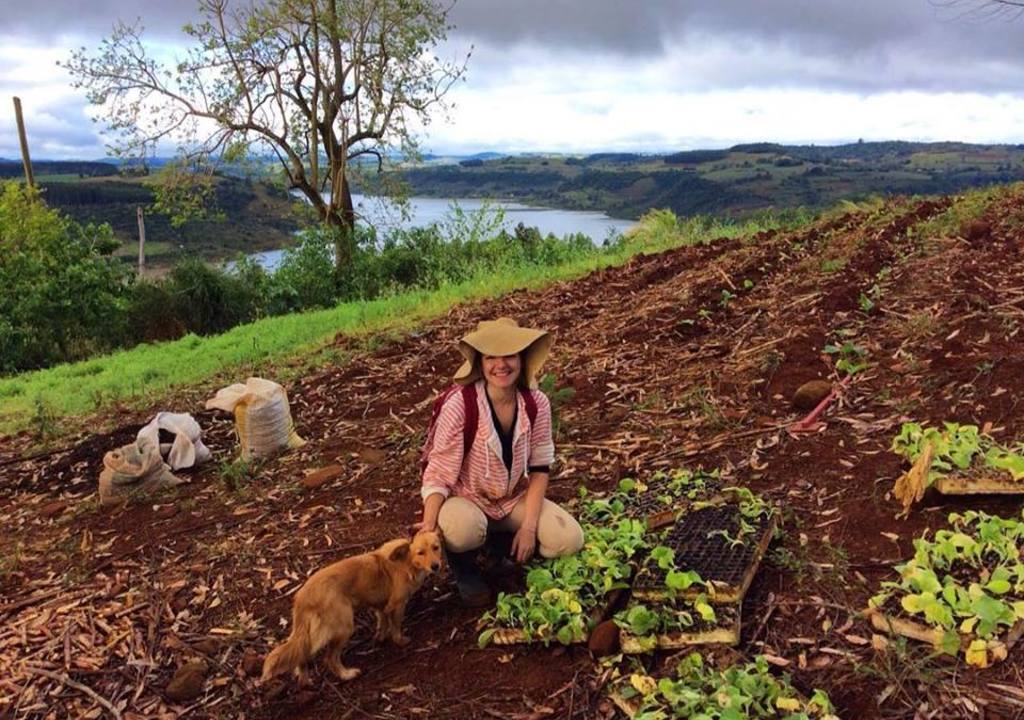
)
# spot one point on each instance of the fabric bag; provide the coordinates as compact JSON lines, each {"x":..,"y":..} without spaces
{"x":187,"y":449}
{"x":263,"y":418}
{"x":134,"y":469}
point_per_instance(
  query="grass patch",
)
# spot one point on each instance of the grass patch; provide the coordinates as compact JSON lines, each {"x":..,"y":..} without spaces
{"x":135,"y":378}
{"x":965,"y":208}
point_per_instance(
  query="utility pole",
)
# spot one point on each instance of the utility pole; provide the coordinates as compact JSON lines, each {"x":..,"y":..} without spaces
{"x":142,"y":240}
{"x":29,"y":178}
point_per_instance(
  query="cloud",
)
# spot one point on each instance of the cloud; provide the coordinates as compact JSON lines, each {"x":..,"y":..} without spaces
{"x":866,"y":46}
{"x":47,"y":21}
{"x":648,"y":121}
{"x":586,"y":75}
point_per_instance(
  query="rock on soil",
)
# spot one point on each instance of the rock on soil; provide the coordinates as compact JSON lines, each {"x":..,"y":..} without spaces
{"x":322,"y":476}
{"x":604,"y":640}
{"x":187,"y":683}
{"x":976,"y":230}
{"x":208,"y":646}
{"x":52,"y":510}
{"x":810,"y":394}
{"x":166,"y":512}
{"x":252,"y":663}
{"x":372,"y":456}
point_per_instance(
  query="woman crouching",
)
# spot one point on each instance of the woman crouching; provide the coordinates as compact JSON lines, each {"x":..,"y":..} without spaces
{"x":488,"y":461}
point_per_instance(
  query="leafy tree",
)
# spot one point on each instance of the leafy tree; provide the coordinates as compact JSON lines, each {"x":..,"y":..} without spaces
{"x":323,"y":85}
{"x":60,"y":291}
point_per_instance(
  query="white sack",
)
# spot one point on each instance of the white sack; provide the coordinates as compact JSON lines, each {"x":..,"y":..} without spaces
{"x":187,"y":449}
{"x":263,"y":419}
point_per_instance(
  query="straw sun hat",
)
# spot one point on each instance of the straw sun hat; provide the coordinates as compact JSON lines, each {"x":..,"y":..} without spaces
{"x":503,"y":337}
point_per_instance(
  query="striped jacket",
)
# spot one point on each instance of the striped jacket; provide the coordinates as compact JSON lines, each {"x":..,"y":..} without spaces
{"x":481,"y":477}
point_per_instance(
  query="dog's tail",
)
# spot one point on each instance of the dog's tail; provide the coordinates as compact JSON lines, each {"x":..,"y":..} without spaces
{"x":293,"y":652}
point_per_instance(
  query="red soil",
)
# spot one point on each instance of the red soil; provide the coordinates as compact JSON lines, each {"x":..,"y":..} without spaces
{"x":657,"y":384}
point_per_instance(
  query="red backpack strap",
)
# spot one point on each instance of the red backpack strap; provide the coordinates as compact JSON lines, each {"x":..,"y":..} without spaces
{"x":472,"y":418}
{"x":531,"y":406}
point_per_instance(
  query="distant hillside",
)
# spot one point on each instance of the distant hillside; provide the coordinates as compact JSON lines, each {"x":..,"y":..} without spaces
{"x":736,"y":181}
{"x":71,"y":168}
{"x":246,"y":217}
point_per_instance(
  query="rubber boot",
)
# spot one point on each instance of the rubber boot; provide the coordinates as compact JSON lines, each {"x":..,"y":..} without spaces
{"x":473,"y":591}
{"x":499,"y":554}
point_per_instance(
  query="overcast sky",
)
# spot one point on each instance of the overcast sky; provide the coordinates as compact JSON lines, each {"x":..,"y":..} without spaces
{"x":646,"y":75}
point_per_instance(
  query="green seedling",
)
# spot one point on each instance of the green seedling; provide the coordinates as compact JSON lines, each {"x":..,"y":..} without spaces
{"x":744,"y":690}
{"x":850,"y":357}
{"x":968,"y":581}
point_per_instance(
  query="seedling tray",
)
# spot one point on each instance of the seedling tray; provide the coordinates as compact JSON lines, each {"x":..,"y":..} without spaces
{"x":651,"y":505}
{"x":727,"y":568}
{"x":517,"y":636}
{"x":962,"y":485}
{"x":631,"y":706}
{"x":905,"y":627}
{"x":726,"y":631}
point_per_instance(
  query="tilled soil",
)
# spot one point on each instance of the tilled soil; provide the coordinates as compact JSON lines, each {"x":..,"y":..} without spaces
{"x":684,"y":358}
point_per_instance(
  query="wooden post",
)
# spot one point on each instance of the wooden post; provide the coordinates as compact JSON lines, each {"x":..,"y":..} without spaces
{"x":29,"y":178}
{"x":142,"y":240}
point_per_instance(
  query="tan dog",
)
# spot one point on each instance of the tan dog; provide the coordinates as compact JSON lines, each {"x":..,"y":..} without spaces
{"x":323,"y":614}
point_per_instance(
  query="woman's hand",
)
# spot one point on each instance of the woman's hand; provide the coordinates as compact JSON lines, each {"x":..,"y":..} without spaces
{"x":524,"y":543}
{"x":431,"y":509}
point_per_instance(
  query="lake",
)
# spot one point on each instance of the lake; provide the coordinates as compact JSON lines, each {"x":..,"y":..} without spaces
{"x":424,"y":211}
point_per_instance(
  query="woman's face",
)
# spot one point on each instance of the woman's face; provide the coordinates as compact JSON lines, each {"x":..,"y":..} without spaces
{"x":501,"y":371}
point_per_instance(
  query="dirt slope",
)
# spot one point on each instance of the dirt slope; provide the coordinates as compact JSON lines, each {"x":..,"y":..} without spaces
{"x":684,"y":358}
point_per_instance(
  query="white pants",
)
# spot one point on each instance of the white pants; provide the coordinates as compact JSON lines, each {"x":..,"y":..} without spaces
{"x":465,"y":527}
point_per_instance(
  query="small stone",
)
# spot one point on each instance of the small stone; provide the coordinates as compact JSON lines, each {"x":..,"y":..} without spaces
{"x":372,"y":456}
{"x":207,"y":646}
{"x":976,"y":230}
{"x":52,"y":510}
{"x":252,"y":663}
{"x":165,"y":512}
{"x":604,"y":640}
{"x":179,"y":602}
{"x":810,"y":394}
{"x":304,"y":697}
{"x":274,"y":689}
{"x":187,"y":683}
{"x":322,"y":476}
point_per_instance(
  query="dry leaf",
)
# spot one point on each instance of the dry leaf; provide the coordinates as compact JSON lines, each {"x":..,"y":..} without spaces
{"x":911,"y":485}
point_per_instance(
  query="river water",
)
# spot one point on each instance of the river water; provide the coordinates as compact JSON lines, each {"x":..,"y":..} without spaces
{"x":424,"y":211}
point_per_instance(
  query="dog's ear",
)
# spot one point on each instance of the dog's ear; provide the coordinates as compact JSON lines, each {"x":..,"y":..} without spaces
{"x":400,"y":553}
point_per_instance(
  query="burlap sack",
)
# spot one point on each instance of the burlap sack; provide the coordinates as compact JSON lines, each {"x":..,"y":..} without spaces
{"x":134,"y":470}
{"x":187,"y":449}
{"x":263,"y":418}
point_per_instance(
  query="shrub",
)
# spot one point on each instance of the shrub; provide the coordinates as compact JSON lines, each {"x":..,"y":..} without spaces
{"x":305,"y":278}
{"x":60,"y":289}
{"x":207,"y":300}
{"x":151,"y":313}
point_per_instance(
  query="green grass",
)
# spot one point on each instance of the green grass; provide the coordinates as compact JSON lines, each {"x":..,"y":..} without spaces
{"x":966,"y":207}
{"x":57,"y":177}
{"x":137,"y":377}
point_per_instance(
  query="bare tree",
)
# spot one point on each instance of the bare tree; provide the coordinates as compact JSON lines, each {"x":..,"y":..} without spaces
{"x":318,"y":83}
